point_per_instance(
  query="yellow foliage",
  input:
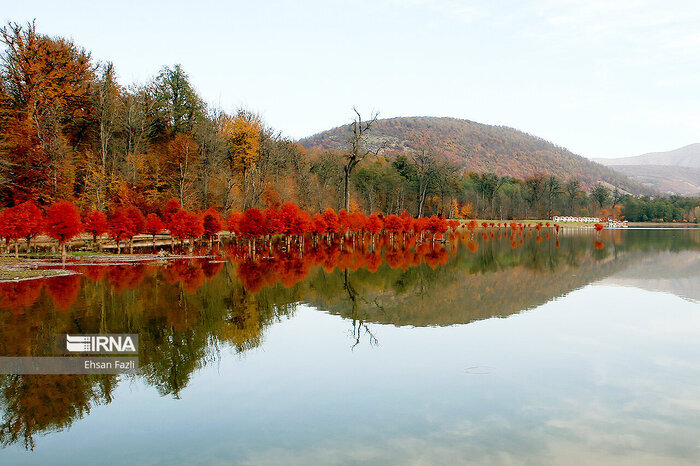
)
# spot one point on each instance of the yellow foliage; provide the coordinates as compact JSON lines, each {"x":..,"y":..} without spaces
{"x":242,"y":136}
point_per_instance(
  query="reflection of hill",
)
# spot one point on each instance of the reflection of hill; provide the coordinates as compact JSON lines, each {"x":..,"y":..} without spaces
{"x":677,"y":273}
{"x":457,"y":294}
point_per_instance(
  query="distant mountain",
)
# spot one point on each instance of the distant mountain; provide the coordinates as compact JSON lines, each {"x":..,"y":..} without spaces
{"x":664,"y":178}
{"x":688,"y":156}
{"x":673,"y":172}
{"x":478,"y":147}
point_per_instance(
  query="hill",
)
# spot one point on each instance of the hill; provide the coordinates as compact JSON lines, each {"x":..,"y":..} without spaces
{"x":687,"y":156}
{"x":672,"y":172}
{"x":478,"y":147}
{"x":667,"y":179}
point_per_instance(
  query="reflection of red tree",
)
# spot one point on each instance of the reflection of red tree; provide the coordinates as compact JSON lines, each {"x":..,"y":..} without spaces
{"x":94,"y":273}
{"x":125,"y":277}
{"x":394,"y":259}
{"x":19,"y":296}
{"x":598,"y":245}
{"x":373,"y":261}
{"x":212,"y":268}
{"x":63,"y":290}
{"x":251,"y":275}
{"x":189,"y":274}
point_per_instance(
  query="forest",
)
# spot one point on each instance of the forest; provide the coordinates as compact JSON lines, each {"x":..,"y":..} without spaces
{"x":70,"y":130}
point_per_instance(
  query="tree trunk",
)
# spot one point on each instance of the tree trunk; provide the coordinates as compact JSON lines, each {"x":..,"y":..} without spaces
{"x":347,"y":189}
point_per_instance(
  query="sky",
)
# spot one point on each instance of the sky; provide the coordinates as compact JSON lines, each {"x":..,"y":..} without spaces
{"x":606,"y":78}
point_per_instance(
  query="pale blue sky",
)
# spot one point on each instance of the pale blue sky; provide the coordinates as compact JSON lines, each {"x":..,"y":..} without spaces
{"x":602,"y":78}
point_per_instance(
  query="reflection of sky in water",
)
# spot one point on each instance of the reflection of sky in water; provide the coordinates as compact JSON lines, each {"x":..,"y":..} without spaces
{"x":605,"y":374}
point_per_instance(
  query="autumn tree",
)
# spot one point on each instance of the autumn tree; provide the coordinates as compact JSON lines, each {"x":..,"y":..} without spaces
{"x":30,"y":221}
{"x":138,"y":223}
{"x":108,"y":106}
{"x":63,"y":223}
{"x":120,"y":227}
{"x":96,"y":224}
{"x":154,"y":225}
{"x":186,"y":226}
{"x":182,"y":157}
{"x":48,"y":109}
{"x":242,"y":136}
{"x":252,"y":225}
{"x":8,"y":229}
{"x":212,"y":223}
{"x":357,"y":152}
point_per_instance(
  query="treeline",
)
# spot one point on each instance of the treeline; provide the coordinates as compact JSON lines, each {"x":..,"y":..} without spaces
{"x":661,"y":209}
{"x":70,"y":130}
{"x":284,"y":224}
{"x":425,"y":183}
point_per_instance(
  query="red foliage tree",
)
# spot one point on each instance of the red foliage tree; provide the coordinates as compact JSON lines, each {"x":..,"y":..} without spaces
{"x":8,"y":228}
{"x":373,"y":225}
{"x":154,"y":225}
{"x":212,"y":223}
{"x":171,"y":208}
{"x":273,"y":221}
{"x":96,"y":224}
{"x":233,"y":222}
{"x":394,"y":225}
{"x":358,"y":220}
{"x":331,"y":219}
{"x":138,"y":224}
{"x":252,"y":225}
{"x":186,"y":225}
{"x":288,"y":218}
{"x":120,"y":227}
{"x":344,"y":221}
{"x":30,"y":221}
{"x":63,"y":223}
{"x":436,"y":226}
{"x":319,"y":226}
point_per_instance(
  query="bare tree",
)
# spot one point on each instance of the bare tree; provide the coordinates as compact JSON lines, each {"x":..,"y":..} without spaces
{"x":357,"y":152}
{"x":426,"y":174}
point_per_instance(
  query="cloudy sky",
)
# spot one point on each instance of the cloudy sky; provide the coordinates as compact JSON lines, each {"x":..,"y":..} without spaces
{"x":604,"y":78}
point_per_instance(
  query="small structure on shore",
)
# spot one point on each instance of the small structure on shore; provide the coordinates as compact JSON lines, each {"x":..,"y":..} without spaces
{"x":558,"y":218}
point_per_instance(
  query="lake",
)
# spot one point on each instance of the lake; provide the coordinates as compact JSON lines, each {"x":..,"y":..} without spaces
{"x":574,"y":348}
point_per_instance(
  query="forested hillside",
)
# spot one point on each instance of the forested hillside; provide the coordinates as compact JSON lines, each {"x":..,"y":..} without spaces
{"x":479,"y":148}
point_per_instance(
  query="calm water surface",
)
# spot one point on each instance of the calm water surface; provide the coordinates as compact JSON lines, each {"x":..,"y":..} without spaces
{"x":574,"y":349}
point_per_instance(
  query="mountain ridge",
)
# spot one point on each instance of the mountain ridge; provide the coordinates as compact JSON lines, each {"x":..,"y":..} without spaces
{"x":671,"y":172}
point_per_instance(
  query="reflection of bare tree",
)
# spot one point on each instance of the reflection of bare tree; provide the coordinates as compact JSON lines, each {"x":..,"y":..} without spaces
{"x":359,"y":326}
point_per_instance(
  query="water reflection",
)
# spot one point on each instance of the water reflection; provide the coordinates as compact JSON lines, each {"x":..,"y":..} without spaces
{"x":187,"y":311}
